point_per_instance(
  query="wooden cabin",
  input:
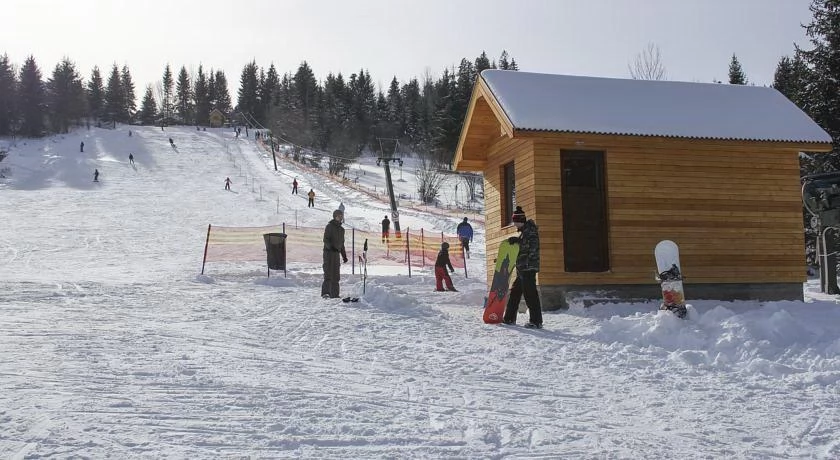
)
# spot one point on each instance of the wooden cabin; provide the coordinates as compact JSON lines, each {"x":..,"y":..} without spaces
{"x":217,"y":118}
{"x":609,"y":167}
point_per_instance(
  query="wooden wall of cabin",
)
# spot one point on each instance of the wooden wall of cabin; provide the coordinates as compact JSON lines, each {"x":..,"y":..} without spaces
{"x":733,"y":208}
{"x":500,"y":153}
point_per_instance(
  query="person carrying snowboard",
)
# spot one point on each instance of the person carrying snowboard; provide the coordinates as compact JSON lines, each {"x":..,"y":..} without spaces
{"x":294,"y":187}
{"x":227,"y":183}
{"x":96,"y":175}
{"x":311,"y":195}
{"x":131,"y":158}
{"x":465,"y":234}
{"x":386,"y":228}
{"x":441,"y":276}
{"x":527,"y":266}
{"x":333,"y":248}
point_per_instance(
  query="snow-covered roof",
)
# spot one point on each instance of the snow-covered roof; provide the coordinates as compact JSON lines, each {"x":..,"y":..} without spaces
{"x":566,"y":103}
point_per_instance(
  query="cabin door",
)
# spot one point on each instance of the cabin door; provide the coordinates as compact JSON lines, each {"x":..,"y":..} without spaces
{"x":585,"y":236}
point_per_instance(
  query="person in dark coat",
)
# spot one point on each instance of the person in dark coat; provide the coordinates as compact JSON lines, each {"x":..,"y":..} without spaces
{"x":465,"y":234}
{"x":441,"y":276}
{"x":333,"y":249}
{"x":227,"y":183}
{"x":96,"y":175}
{"x":527,"y":266}
{"x":386,"y":229}
{"x":131,"y":157}
{"x":294,"y":187}
{"x":82,"y":147}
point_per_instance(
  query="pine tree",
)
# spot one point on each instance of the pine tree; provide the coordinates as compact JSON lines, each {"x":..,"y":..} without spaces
{"x":306,"y":96}
{"x":513,"y":65}
{"x":183,"y":97}
{"x":270,"y":86}
{"x":222,"y":101}
{"x":736,"y":74}
{"x":201,"y":96}
{"x":114,"y":97}
{"x":412,"y":107}
{"x":790,"y":79}
{"x":249,"y":89}
{"x":148,"y":108}
{"x":504,"y":64}
{"x":482,"y":63}
{"x":166,"y":100}
{"x":95,"y":95}
{"x":394,"y":115}
{"x":31,"y":99}
{"x":8,"y":92}
{"x":66,"y":96}
{"x":129,"y":105}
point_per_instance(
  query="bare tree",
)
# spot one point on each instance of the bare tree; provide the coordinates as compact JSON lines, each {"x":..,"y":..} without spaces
{"x":430,"y":178}
{"x":471,"y":182}
{"x":648,"y":64}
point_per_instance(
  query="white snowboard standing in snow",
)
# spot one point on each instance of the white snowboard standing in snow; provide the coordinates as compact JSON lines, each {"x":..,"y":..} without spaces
{"x":669,"y":275}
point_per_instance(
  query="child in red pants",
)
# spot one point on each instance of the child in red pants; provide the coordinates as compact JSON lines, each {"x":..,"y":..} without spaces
{"x":441,"y":263}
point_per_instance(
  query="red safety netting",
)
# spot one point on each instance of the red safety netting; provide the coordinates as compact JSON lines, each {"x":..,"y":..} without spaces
{"x":305,"y":245}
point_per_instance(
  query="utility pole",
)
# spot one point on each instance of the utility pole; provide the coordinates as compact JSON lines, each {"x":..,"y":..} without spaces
{"x":386,"y":161}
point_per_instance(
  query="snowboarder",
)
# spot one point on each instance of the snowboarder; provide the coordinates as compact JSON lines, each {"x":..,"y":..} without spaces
{"x":131,"y":159}
{"x":441,"y":276}
{"x":96,"y":175}
{"x":294,"y":187}
{"x":386,"y":229}
{"x":333,"y":248}
{"x":465,"y":234}
{"x":82,"y":147}
{"x":311,"y":195}
{"x":527,"y":266}
{"x":227,"y":183}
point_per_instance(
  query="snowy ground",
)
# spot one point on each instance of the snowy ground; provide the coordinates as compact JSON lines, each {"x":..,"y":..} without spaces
{"x":112,"y":345}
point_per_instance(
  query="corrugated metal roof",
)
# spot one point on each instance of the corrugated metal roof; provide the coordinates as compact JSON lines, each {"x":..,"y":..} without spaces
{"x":575,"y":104}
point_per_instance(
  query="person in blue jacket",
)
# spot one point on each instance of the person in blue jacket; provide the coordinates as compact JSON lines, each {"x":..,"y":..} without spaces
{"x":465,"y":234}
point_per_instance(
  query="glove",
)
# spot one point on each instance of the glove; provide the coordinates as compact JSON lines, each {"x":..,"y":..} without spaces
{"x":345,"y":259}
{"x":513,"y":240}
{"x":451,"y":270}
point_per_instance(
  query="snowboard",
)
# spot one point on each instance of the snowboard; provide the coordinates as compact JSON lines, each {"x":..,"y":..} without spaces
{"x":494,"y":308}
{"x":669,"y":275}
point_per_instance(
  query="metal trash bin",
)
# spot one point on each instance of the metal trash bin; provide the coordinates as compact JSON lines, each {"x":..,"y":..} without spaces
{"x":275,"y":250}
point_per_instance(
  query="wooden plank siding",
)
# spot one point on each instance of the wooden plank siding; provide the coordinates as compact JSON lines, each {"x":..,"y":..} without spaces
{"x":734,"y":208}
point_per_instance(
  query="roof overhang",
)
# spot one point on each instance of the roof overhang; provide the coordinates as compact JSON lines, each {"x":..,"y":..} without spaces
{"x":484,"y":124}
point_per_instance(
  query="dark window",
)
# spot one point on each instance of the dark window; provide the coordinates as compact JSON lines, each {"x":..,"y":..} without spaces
{"x":508,"y":193}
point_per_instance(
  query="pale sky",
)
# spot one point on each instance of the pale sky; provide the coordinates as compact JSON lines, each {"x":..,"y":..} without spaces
{"x":696,"y":38}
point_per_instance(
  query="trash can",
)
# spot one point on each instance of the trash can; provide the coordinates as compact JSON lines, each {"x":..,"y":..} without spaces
{"x":275,"y":250}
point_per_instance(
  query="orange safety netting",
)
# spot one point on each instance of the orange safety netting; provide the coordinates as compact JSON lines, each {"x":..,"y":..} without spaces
{"x":305,"y":245}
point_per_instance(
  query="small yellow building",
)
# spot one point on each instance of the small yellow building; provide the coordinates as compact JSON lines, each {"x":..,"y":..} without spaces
{"x":609,"y":167}
{"x":217,"y":118}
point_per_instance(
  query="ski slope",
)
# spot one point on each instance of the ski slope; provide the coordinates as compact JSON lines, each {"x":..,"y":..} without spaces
{"x":113,"y":345}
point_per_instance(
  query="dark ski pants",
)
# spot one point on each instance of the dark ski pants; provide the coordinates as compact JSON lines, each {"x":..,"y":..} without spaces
{"x":526,"y":283}
{"x":311,"y":203}
{"x":441,"y":277}
{"x":332,"y":272}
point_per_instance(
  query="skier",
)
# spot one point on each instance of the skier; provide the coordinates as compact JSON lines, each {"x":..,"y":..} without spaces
{"x":96,"y":175}
{"x":441,"y":276}
{"x":131,"y":159}
{"x":227,"y":183}
{"x":129,"y":133}
{"x":82,"y":147}
{"x":171,"y":142}
{"x":527,"y":266}
{"x":333,"y":248}
{"x":341,"y":207}
{"x":294,"y":187}
{"x":465,"y":234}
{"x":311,"y":195}
{"x":386,"y":228}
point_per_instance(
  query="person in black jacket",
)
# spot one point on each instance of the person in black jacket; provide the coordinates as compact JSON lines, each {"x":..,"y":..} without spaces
{"x":441,"y":263}
{"x":333,"y":249}
{"x":527,"y":266}
{"x":386,"y":228}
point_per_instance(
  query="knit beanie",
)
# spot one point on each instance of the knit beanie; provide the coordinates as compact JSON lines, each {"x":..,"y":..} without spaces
{"x":519,"y":215}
